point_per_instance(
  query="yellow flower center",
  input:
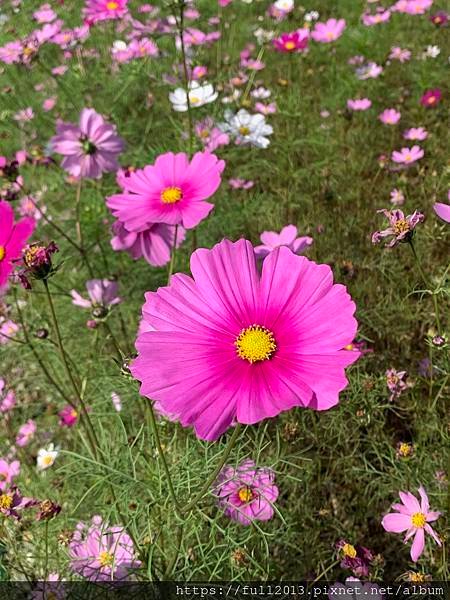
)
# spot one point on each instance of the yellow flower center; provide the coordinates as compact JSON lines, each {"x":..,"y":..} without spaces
{"x":245,"y":494}
{"x":5,"y":501}
{"x":255,"y":343}
{"x":404,"y":449}
{"x":243,"y":130}
{"x":289,"y":45}
{"x":194,"y":99}
{"x":417,"y":577}
{"x":112,"y":5}
{"x":349,"y":550}
{"x":418,"y":520}
{"x":2,"y":252}
{"x":401,"y":226}
{"x":171,"y":195}
{"x":105,"y":559}
{"x":329,"y":35}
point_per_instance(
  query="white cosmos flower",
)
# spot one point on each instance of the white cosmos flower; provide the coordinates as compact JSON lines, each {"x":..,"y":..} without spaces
{"x":431,"y":52}
{"x":247,"y":128}
{"x":46,"y":457}
{"x":312,"y":15}
{"x":261,"y":93}
{"x":199,"y":94}
{"x":284,"y":5}
{"x":262,"y":35}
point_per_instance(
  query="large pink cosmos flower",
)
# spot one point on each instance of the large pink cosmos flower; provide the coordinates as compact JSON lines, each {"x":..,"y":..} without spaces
{"x":246,"y":493}
{"x":231,"y":345}
{"x":171,"y":191}
{"x":329,"y":31}
{"x":89,"y":148}
{"x":102,"y":10}
{"x":414,"y":518}
{"x":102,"y":552}
{"x":13,"y":237}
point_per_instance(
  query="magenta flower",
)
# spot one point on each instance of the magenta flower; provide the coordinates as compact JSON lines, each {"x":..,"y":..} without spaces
{"x":68,"y":416}
{"x":415,"y":133}
{"x":287,"y":237}
{"x":414,"y":518}
{"x":102,"y":10}
{"x":431,"y":98}
{"x":155,"y":244}
{"x":359,"y":104}
{"x":89,"y":148}
{"x":26,"y":433}
{"x":296,"y":41}
{"x":401,"y":228}
{"x":246,"y":493}
{"x":8,"y":471}
{"x":329,"y":31}
{"x":103,"y":293}
{"x":13,"y":237}
{"x":390,"y":116}
{"x":172,"y":191}
{"x":407,"y":156}
{"x":102,"y":552}
{"x":231,"y":345}
{"x":442,"y":210}
{"x":440,"y":19}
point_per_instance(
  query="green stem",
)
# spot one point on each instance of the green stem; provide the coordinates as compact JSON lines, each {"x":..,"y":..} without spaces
{"x":172,"y":255}
{"x":427,"y":284}
{"x":213,"y":476}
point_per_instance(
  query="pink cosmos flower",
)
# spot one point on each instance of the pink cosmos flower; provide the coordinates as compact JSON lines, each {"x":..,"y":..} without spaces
{"x":60,"y":70}
{"x":143,"y":47}
{"x":369,"y":71}
{"x":7,"y":398}
{"x":440,"y":19}
{"x":8,"y":471}
{"x":359,"y":104}
{"x":390,"y":116}
{"x":12,"y":501}
{"x":431,"y":98}
{"x":172,"y":191}
{"x":416,"y":7}
{"x":155,"y":244}
{"x":13,"y":237}
{"x":102,"y":10}
{"x":231,"y":345}
{"x":68,"y":416}
{"x":101,"y":552}
{"x":329,"y":31}
{"x":381,"y":16}
{"x":414,"y":518}
{"x":49,"y":104}
{"x":400,"y":227}
{"x":26,"y":433}
{"x":407,"y":156}
{"x":89,"y":148}
{"x":210,"y":136}
{"x":44,"y":14}
{"x":397,"y":53}
{"x":266,"y":109}
{"x":442,"y":210}
{"x":11,"y":52}
{"x":240,"y":184}
{"x":397,"y":197}
{"x":287,"y":237}
{"x":8,"y":329}
{"x":246,"y":493}
{"x":103,"y":293}
{"x":416,"y":133}
{"x":296,"y":41}
{"x":24,"y":115}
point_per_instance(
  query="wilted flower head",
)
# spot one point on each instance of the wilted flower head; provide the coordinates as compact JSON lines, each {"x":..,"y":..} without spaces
{"x":47,"y":510}
{"x":404,"y":450}
{"x":400,"y":228}
{"x":396,"y":382}
{"x":37,"y":260}
{"x":414,"y":518}
{"x":246,"y":493}
{"x":356,"y":558}
{"x":101,"y":552}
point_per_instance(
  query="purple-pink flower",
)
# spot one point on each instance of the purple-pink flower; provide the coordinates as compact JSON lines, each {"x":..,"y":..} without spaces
{"x":287,"y":237}
{"x":390,"y":116}
{"x":89,"y":148}
{"x":329,"y":31}
{"x":359,"y":104}
{"x":102,"y":10}
{"x":396,"y":383}
{"x":210,"y":136}
{"x":414,"y":518}
{"x":246,"y":493}
{"x":296,"y":41}
{"x":26,"y":433}
{"x":408,"y":156}
{"x":68,"y":416}
{"x":401,"y":228}
{"x":431,"y":98}
{"x":415,"y":133}
{"x":103,"y":293}
{"x":8,"y":471}
{"x":7,"y":398}
{"x":442,"y":210}
{"x":231,"y":344}
{"x":12,"y":502}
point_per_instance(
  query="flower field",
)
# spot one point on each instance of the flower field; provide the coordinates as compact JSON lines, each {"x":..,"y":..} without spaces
{"x":224,"y":292}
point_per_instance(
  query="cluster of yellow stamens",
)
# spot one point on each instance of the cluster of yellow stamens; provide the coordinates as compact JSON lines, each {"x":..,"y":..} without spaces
{"x":112,"y":5}
{"x":255,"y":343}
{"x":105,"y":559}
{"x":2,"y":252}
{"x":401,"y":226}
{"x":349,"y":550}
{"x":243,"y":130}
{"x":171,"y":195}
{"x":289,"y":45}
{"x":418,"y":520}
{"x":245,"y":494}
{"x":6,"y":501}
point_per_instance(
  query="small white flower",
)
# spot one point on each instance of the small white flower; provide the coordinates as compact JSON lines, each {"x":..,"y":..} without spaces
{"x":431,"y":52}
{"x":284,"y":5}
{"x":46,"y":457}
{"x":119,"y":45}
{"x":234,"y":97}
{"x":247,"y":128}
{"x":262,"y":35}
{"x":199,"y":94}
{"x":117,"y":401}
{"x":261,"y":93}
{"x":312,"y":15}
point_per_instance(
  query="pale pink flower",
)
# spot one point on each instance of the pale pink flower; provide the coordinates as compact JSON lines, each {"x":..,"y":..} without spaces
{"x":390,"y":116}
{"x":416,"y":133}
{"x":26,"y":433}
{"x":359,"y":104}
{"x":397,"y":53}
{"x":287,"y":237}
{"x":407,"y":156}
{"x":329,"y":31}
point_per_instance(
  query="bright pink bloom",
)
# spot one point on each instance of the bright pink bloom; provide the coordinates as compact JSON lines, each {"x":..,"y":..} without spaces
{"x":359,"y":104}
{"x":414,"y":518}
{"x":417,"y":7}
{"x":11,"y":52}
{"x":232,"y":345}
{"x":89,"y":148}
{"x":68,"y":416}
{"x":102,"y":10}
{"x":26,"y":433}
{"x":431,"y":98}
{"x":246,"y":493}
{"x":143,"y":47}
{"x":329,"y":31}
{"x":172,"y":191}
{"x":7,"y":472}
{"x":408,"y":156}
{"x":296,"y":41}
{"x":415,"y":133}
{"x":390,"y":116}
{"x":13,"y":238}
{"x":155,"y":244}
{"x":287,"y":237}
{"x":102,"y":552}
